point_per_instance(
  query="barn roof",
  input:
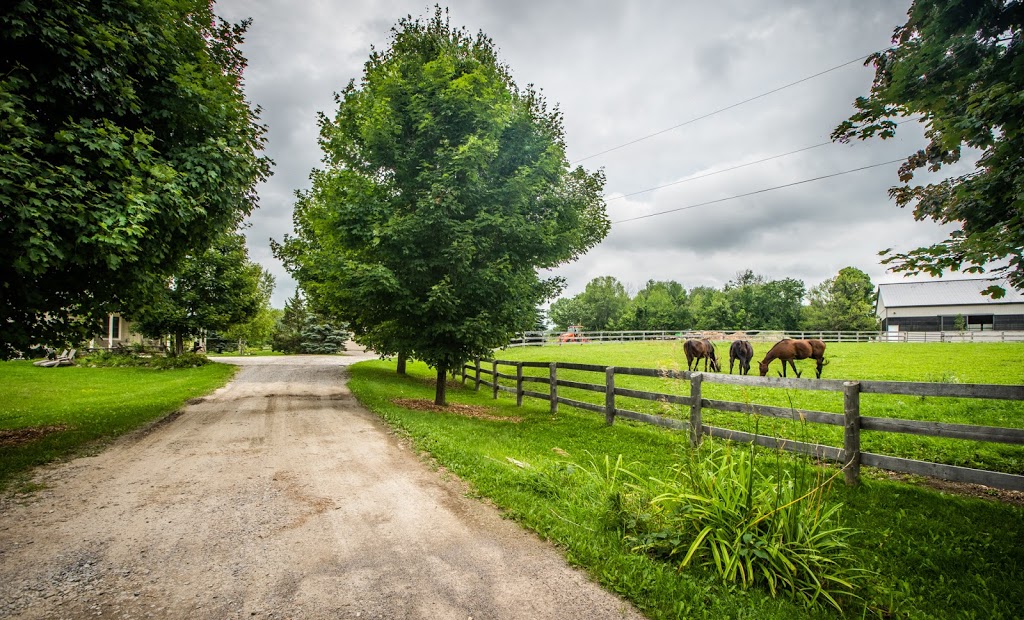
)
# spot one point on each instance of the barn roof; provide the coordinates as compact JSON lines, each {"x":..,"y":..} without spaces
{"x":945,"y":293}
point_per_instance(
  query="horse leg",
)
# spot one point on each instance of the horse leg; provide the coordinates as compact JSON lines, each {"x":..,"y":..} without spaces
{"x":795,"y":371}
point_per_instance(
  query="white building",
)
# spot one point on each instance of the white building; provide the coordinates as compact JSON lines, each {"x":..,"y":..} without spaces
{"x":935,"y":305}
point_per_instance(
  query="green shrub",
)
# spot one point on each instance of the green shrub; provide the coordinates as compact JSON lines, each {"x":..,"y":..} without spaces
{"x":116,"y":359}
{"x":113,"y":359}
{"x":752,"y":527}
{"x":185,"y":360}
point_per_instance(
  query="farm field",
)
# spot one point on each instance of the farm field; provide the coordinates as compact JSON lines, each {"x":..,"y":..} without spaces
{"x":997,"y":363}
{"x":926,"y":554}
{"x":53,"y":413}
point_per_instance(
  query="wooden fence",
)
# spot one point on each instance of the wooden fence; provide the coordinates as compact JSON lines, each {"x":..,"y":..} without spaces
{"x":850,"y":455}
{"x":595,"y":337}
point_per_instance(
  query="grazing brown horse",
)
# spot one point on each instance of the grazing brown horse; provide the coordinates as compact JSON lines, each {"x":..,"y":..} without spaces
{"x":788,"y":350}
{"x":741,"y":350}
{"x":696,"y":350}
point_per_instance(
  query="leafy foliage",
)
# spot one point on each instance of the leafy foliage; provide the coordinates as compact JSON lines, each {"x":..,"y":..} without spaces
{"x":601,"y":303}
{"x":126,"y":144}
{"x":111,"y":359}
{"x":749,"y":302}
{"x":844,"y":303}
{"x":287,"y":336}
{"x":212,"y":290}
{"x":260,"y":328}
{"x":445,"y":188}
{"x":957,"y":65}
{"x":659,"y":306}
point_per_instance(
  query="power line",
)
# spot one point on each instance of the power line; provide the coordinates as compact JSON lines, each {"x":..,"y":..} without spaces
{"x":709,"y":114}
{"x":760,"y":161}
{"x":760,"y":191}
{"x":711,"y":174}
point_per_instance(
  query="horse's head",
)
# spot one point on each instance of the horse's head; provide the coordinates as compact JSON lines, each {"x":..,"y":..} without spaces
{"x":763,"y":367}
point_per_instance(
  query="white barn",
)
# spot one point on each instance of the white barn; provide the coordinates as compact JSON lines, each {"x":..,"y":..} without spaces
{"x":934,"y":305}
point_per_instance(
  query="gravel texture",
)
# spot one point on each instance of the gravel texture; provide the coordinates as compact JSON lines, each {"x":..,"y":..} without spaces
{"x":276,"y":497}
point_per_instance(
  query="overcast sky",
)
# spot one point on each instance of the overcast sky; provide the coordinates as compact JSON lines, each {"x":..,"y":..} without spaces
{"x":621,"y":71}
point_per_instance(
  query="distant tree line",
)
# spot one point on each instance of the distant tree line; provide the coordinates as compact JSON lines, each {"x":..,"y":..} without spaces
{"x":750,"y":301}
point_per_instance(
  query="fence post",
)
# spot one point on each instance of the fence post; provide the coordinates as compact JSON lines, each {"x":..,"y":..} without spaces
{"x":494,"y":377}
{"x":609,"y":395}
{"x":696,"y":423}
{"x":477,"y":385}
{"x":553,"y":376}
{"x":851,"y":432}
{"x":519,"y":384}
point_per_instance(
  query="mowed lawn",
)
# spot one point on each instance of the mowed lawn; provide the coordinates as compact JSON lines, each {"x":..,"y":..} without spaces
{"x":54,"y":413}
{"x":925,"y":553}
{"x":998,"y":363}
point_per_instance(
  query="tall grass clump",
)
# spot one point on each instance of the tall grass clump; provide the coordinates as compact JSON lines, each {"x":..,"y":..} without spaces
{"x":754,"y":526}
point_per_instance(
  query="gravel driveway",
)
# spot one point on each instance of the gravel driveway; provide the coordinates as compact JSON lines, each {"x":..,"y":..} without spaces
{"x":276,"y":497}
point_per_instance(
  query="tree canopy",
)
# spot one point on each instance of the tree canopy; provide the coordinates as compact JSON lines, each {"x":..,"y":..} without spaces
{"x":125,"y":144}
{"x":445,"y":188}
{"x":749,"y":301}
{"x":843,"y":303}
{"x":958,"y":66}
{"x":212,"y":290}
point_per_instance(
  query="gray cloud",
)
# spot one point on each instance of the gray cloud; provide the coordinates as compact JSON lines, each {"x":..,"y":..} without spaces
{"x":620,"y":71}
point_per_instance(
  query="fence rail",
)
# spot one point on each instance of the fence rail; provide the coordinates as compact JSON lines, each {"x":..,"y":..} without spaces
{"x":850,"y":455}
{"x":537,"y":338}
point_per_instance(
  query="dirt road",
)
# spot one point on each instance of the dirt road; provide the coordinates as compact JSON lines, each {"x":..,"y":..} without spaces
{"x":276,"y":497}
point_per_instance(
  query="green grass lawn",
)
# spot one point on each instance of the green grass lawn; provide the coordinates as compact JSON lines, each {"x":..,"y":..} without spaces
{"x":928,"y":554}
{"x":1001,"y":363}
{"x":73,"y":409}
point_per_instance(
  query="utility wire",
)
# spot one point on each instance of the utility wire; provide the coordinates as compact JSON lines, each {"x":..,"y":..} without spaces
{"x":713,"y":173}
{"x":760,"y":191}
{"x":709,"y":114}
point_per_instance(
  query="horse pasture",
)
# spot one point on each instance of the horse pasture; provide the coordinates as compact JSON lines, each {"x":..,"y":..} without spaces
{"x":998,"y":363}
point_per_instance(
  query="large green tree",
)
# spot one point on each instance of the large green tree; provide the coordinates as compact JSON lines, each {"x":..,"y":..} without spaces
{"x":287,"y":336}
{"x":958,"y":65}
{"x":603,"y":300}
{"x":445,"y":188}
{"x":566,"y":311}
{"x":658,"y":306}
{"x":125,"y":144}
{"x":260,"y":328}
{"x":210,"y":291}
{"x":843,"y":303}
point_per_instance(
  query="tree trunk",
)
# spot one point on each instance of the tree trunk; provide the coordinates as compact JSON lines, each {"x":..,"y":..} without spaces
{"x":401,"y":362}
{"x":179,"y":344}
{"x":439,"y":394}
{"x":241,"y":347}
